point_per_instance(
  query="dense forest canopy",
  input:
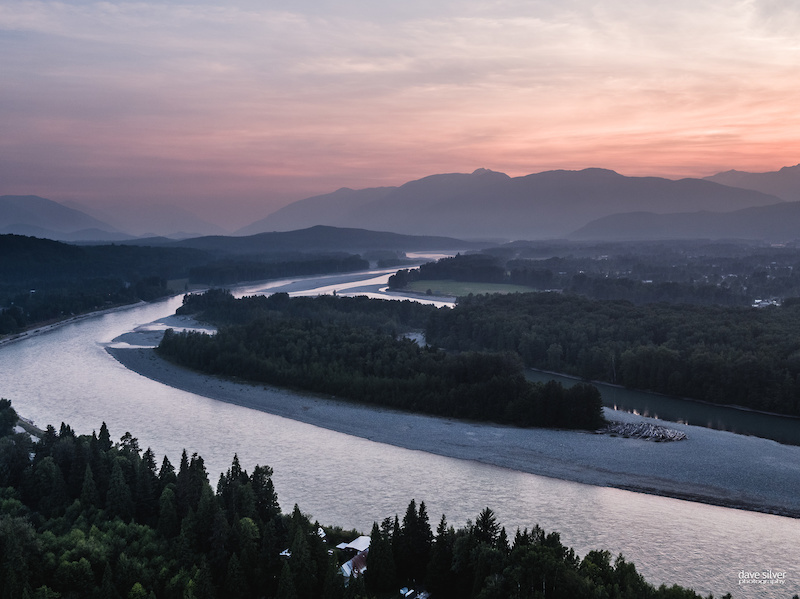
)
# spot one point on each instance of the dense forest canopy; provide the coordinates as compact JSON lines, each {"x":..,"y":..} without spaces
{"x":744,"y":356}
{"x":353,"y":348}
{"x":82,"y":517}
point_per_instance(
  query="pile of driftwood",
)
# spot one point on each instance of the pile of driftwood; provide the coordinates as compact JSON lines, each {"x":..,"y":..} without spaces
{"x":642,"y":430}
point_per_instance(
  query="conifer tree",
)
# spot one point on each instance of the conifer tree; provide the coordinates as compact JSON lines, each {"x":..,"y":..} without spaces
{"x":380,"y":574}
{"x":168,"y":523}
{"x":119,"y":502}
{"x":89,"y":496}
{"x":166,"y":474}
{"x":104,"y":438}
{"x":286,"y":588}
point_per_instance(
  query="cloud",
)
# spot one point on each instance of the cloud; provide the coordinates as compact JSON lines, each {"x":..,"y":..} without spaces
{"x":355,"y":93}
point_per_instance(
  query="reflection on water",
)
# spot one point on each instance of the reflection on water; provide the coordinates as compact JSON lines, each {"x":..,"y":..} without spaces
{"x":783,"y":429}
{"x":66,"y":375}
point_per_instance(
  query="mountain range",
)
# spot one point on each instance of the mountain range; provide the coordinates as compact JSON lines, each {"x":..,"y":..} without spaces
{"x":491,"y":205}
{"x":483,"y":205}
{"x":35,"y":216}
{"x":38,"y":217}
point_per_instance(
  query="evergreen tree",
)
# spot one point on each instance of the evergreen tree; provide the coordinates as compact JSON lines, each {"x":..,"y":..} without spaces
{"x":235,"y":580}
{"x":333,"y":587}
{"x":8,"y":418}
{"x":266,"y":499}
{"x":286,"y":588}
{"x":380,"y":574}
{"x":304,"y":571}
{"x":89,"y":495}
{"x":441,"y":560}
{"x":48,"y":490}
{"x":104,"y":438}
{"x":119,"y":502}
{"x":169,"y":524}
{"x":166,"y":474}
{"x":486,"y":527}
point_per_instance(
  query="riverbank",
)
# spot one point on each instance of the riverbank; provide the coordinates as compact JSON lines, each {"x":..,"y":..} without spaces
{"x":710,"y":466}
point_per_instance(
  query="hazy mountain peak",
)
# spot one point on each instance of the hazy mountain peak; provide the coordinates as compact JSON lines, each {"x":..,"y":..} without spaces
{"x":488,"y":204}
{"x":784,"y":183}
{"x":478,"y":172}
{"x":33,"y":211}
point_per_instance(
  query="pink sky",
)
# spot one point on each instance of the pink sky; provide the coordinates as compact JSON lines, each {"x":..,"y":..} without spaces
{"x":232,"y":109}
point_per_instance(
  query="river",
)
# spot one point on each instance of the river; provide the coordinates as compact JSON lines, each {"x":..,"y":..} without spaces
{"x":65,"y":374}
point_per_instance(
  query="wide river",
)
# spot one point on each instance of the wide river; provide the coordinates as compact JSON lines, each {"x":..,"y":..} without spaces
{"x":66,"y":375}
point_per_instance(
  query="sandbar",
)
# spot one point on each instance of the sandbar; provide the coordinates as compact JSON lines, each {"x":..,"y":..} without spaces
{"x":711,"y":466}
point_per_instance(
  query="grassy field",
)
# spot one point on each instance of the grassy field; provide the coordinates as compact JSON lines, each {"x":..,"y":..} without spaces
{"x":458,"y":289}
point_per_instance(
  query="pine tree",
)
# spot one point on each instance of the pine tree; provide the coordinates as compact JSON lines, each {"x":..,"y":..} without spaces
{"x":168,"y":523}
{"x":380,"y":574}
{"x":304,"y":570}
{"x":166,"y":474}
{"x":440,"y":563}
{"x":286,"y":588}
{"x":486,"y":527}
{"x":235,"y":581}
{"x":119,"y":502}
{"x":104,"y":438}
{"x":89,"y":496}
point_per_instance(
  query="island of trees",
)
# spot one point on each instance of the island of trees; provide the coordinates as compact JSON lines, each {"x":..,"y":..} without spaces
{"x":84,"y":517}
{"x":725,"y":354}
{"x":353,"y":348}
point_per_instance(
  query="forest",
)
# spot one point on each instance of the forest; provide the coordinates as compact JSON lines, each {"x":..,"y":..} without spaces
{"x":45,"y":281}
{"x":83,"y":517}
{"x":353,"y":348}
{"x":728,"y":355}
{"x":688,"y":330}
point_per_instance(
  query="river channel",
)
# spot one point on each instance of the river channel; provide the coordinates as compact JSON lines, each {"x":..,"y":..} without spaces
{"x":65,"y":374}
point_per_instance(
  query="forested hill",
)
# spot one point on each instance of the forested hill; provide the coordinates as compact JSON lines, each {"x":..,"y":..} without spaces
{"x":45,"y":281}
{"x":83,"y":517}
{"x":353,"y":348}
{"x":325,"y":239}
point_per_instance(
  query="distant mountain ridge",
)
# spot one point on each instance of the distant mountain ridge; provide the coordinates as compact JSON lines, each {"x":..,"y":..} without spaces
{"x":490,"y":205}
{"x":321,"y":238}
{"x":37,"y":216}
{"x":784,"y":183}
{"x":775,"y":223}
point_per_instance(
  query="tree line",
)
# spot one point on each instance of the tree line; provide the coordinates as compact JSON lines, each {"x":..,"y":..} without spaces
{"x":296,"y":343}
{"x":44,"y":281}
{"x":83,"y":517}
{"x":682,"y":272}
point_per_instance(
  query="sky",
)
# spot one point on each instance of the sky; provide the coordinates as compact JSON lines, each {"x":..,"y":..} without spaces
{"x":233,"y":109}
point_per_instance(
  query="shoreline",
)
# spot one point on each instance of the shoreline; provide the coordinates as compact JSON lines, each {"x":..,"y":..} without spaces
{"x":713,"y":467}
{"x":596,"y":383}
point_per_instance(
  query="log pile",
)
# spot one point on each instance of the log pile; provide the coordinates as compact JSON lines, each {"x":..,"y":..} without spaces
{"x":642,"y":430}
